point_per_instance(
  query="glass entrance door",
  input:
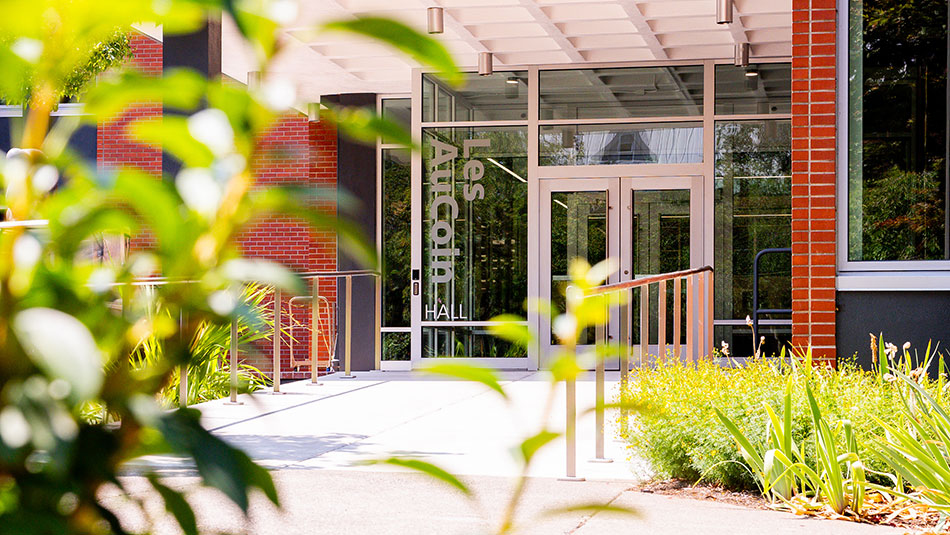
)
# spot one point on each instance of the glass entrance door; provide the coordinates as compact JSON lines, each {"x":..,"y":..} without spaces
{"x":652,"y":225}
{"x":661,"y":232}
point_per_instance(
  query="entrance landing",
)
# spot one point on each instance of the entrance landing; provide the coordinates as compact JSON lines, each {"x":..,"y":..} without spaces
{"x":461,"y":426}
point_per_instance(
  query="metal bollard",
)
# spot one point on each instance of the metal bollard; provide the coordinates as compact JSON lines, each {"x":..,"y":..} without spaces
{"x":234,"y":363}
{"x":599,"y":401}
{"x":183,"y":386}
{"x":570,"y":431}
{"x":377,"y":279}
{"x":348,"y":324}
{"x":277,"y":370}
{"x":314,"y":331}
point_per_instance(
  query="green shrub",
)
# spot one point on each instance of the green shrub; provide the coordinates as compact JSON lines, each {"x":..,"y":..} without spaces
{"x":683,"y":438}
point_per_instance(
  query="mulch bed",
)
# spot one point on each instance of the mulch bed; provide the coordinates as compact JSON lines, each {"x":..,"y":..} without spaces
{"x":915,"y":520}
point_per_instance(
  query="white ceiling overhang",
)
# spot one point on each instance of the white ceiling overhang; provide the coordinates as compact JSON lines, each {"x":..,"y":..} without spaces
{"x":517,"y":32}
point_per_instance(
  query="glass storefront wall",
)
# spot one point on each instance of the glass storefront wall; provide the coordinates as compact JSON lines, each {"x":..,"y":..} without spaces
{"x":897,"y":131}
{"x":476,"y":178}
{"x":753,"y":212}
{"x":474,"y":235}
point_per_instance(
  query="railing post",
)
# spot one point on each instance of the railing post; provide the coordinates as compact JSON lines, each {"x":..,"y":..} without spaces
{"x":348,"y":325}
{"x":711,"y":310}
{"x":661,"y":321}
{"x":677,"y":315}
{"x":690,"y":319}
{"x":183,"y":386}
{"x":601,"y":339}
{"x":624,"y":338}
{"x":644,"y":324}
{"x":570,"y":430}
{"x":234,"y":363}
{"x":277,"y":340}
{"x":183,"y":369}
{"x":624,"y":353}
{"x":315,"y":332}
{"x":378,"y":331}
{"x":700,"y":337}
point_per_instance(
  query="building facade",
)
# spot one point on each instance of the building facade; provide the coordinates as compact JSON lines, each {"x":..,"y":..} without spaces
{"x":630,"y":130}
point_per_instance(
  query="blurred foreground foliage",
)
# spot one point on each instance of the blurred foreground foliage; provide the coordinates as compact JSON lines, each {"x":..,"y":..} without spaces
{"x":72,"y":327}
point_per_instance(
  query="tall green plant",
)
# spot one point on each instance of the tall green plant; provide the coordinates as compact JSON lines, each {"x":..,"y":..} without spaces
{"x":209,"y":368}
{"x":917,"y":446}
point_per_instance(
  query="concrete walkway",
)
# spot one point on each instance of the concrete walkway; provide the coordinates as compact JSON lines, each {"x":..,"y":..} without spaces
{"x":314,"y":438}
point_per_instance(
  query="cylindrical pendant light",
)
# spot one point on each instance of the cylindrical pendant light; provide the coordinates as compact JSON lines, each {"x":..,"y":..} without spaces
{"x":313,"y":111}
{"x":253,"y":79}
{"x":723,"y":11}
{"x":436,"y":20}
{"x":742,"y":54}
{"x":485,"y":67}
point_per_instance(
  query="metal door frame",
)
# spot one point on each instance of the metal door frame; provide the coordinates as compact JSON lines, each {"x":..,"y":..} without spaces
{"x":697,"y":229}
{"x":619,"y":233}
{"x":610,"y":186}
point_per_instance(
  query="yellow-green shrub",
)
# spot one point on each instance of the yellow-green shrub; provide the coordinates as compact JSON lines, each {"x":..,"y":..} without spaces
{"x":682,"y":437}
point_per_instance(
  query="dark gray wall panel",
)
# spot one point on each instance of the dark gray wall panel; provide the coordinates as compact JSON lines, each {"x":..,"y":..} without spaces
{"x":356,"y":178}
{"x":914,"y":317}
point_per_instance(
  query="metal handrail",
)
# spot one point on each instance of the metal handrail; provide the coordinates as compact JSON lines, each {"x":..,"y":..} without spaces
{"x":697,"y":279}
{"x":642,"y":281}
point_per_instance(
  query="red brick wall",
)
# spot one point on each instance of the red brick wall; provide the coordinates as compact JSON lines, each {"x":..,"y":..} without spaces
{"x":114,"y":147}
{"x":294,"y":151}
{"x":813,"y":176}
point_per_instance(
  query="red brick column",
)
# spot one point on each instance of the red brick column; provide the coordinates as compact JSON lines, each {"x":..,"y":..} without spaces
{"x":813,"y":176}
{"x":295,"y":152}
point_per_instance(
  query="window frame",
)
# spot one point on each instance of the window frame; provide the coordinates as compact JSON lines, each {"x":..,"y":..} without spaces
{"x":881,"y":275}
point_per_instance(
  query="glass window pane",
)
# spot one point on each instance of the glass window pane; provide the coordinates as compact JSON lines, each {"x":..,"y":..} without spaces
{"x":621,"y":93}
{"x":752,"y":211}
{"x":396,"y":237}
{"x":475,"y":217}
{"x":396,"y":345}
{"x":897,"y":176}
{"x":757,"y":89}
{"x":467,"y":342}
{"x":397,"y":111}
{"x":621,"y":144}
{"x":659,"y":244}
{"x":502,"y":96}
{"x":578,"y":230}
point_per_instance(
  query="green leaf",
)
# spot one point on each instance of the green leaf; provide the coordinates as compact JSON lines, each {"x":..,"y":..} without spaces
{"x":426,"y":468}
{"x":420,"y":47}
{"x":565,"y":367}
{"x":172,"y":134}
{"x":156,"y":203}
{"x":63,"y":347}
{"x":636,"y":406}
{"x":478,"y":374}
{"x":263,"y":271}
{"x":363,"y":124}
{"x":176,"y":504}
{"x":511,"y":328}
{"x":295,"y":202}
{"x":110,"y":97}
{"x":532,"y":444}
{"x":592,"y":508}
{"x":749,"y":452}
{"x":220,"y":465}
